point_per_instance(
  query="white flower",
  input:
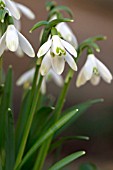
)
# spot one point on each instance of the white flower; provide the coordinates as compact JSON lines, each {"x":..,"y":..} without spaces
{"x":92,"y":71}
{"x":13,"y":40}
{"x":27,"y":78}
{"x":16,"y":9}
{"x":67,"y":34}
{"x":56,"y":51}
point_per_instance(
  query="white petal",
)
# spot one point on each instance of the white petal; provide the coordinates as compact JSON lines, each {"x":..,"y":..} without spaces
{"x":57,"y":45}
{"x":43,"y":86}
{"x":104,"y":72}
{"x":13,"y":9}
{"x":26,"y":11}
{"x":46,"y":64}
{"x":26,"y":46}
{"x":12,"y":40}
{"x":81,"y":79}
{"x":67,"y":34}
{"x":58,"y":79}
{"x":2,"y":44}
{"x":44,"y":48}
{"x":70,"y":61}
{"x":69,"y":48}
{"x":58,"y":64}
{"x":95,"y":80}
{"x":85,"y":73}
{"x":26,"y":77}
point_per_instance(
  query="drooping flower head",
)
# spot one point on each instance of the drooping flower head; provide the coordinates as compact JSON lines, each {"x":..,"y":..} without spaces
{"x":13,"y":39}
{"x":56,"y":51}
{"x":15,"y":9}
{"x":27,"y":78}
{"x":93,"y":71}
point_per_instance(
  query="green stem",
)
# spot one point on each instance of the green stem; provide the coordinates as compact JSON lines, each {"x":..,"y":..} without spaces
{"x":1,"y":70}
{"x":35,"y":96}
{"x":61,"y":100}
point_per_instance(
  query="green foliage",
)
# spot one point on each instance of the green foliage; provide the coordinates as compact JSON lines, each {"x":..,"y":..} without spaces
{"x":65,"y":161}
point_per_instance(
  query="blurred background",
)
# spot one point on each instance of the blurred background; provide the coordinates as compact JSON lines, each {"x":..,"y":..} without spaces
{"x":92,"y":17}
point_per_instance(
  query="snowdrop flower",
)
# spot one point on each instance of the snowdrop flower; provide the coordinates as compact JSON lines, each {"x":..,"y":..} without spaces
{"x":15,"y":9}
{"x":27,"y":78}
{"x":56,"y":51}
{"x":92,"y":71}
{"x":13,"y":40}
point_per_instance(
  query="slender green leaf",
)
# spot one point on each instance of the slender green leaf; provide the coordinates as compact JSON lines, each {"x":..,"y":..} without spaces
{"x":62,"y":140}
{"x":47,"y":134}
{"x":60,"y":8}
{"x":23,"y":116}
{"x":88,"y":166}
{"x":0,"y":165}
{"x":6,"y":103}
{"x":67,"y":160}
{"x":10,"y":142}
{"x":42,"y":116}
{"x":39,"y":24}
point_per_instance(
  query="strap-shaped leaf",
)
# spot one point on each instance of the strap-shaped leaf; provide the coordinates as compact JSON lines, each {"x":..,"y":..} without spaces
{"x":39,"y":24}
{"x":62,"y":140}
{"x":6,"y":103}
{"x":67,"y":160}
{"x":47,"y":134}
{"x":61,"y":8}
{"x":23,"y":116}
{"x":10,"y":142}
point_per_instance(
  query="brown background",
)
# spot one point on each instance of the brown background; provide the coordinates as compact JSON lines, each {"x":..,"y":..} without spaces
{"x":92,"y":17}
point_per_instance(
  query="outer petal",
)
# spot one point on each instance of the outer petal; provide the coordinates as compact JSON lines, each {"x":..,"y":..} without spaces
{"x":44,"y":48}
{"x":2,"y":44}
{"x":46,"y":64}
{"x":85,"y":73}
{"x":58,"y":64}
{"x":12,"y":40}
{"x":81,"y":79}
{"x":67,"y":34}
{"x":95,"y":80}
{"x":104,"y":72}
{"x":43,"y":86}
{"x":69,"y":48}
{"x":25,"y":10}
{"x":13,"y":9}
{"x":26,"y":77}
{"x":26,"y":46}
{"x":58,"y":79}
{"x":70,"y":61}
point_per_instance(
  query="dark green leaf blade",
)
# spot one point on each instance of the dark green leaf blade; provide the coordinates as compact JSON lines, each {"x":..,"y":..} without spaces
{"x":10,"y":142}
{"x":6,"y":103}
{"x":62,"y":140}
{"x":47,"y":134}
{"x":65,"y":161}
